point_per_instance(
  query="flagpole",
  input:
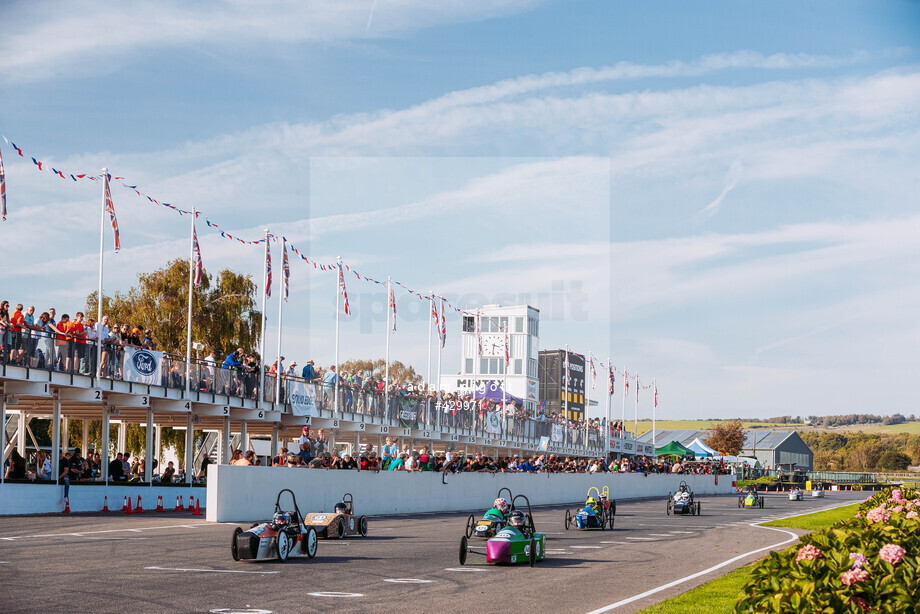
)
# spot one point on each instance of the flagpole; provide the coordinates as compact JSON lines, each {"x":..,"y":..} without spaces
{"x":338,"y":292}
{"x":428,"y":391}
{"x":587,"y":394}
{"x":262,"y":332}
{"x":444,"y":333}
{"x":654,"y":409}
{"x":505,"y":384}
{"x":281,"y":299}
{"x":191,"y":286}
{"x":386,"y":376}
{"x":105,"y":177}
{"x":637,"y":405}
{"x":607,"y":411}
{"x":565,"y":420}
{"x":625,"y":392}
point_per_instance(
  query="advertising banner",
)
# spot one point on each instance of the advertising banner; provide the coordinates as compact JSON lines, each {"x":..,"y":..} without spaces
{"x":493,"y":423}
{"x":143,"y":366}
{"x":544,"y":445}
{"x":303,"y":399}
{"x":557,"y":433}
{"x":408,"y":413}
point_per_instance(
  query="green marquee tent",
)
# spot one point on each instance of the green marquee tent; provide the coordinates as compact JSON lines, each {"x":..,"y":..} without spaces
{"x":673,"y":449}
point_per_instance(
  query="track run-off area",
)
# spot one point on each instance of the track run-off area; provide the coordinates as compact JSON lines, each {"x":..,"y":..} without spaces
{"x":173,"y":562}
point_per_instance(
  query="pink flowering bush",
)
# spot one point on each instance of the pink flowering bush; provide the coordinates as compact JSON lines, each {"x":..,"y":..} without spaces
{"x":869,"y":563}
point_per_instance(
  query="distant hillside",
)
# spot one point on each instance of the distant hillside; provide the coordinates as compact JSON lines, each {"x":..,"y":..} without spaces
{"x":912,"y":427}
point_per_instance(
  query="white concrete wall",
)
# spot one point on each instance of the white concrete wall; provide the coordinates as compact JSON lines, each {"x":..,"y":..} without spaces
{"x":49,"y":499}
{"x":240,"y":493}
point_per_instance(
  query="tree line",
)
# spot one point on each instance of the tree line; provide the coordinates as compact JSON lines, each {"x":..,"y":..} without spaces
{"x":860,"y":451}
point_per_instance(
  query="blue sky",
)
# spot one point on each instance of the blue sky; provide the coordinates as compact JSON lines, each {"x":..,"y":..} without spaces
{"x":721,"y":195}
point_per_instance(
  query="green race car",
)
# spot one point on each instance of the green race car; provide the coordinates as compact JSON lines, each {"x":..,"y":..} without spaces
{"x":751,"y":499}
{"x":518,"y":542}
{"x":494,"y":520}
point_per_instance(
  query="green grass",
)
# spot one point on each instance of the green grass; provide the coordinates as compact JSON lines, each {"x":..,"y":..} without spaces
{"x":716,"y":597}
{"x":818,"y":520}
{"x":697,"y":425}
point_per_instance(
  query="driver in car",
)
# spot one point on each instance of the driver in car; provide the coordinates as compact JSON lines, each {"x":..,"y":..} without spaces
{"x":592,"y":506}
{"x":516,"y":520}
{"x":340,"y":508}
{"x":499,"y":510}
{"x":681,"y":494}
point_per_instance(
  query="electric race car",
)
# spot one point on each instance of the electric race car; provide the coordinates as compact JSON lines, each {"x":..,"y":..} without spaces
{"x":682,"y":502}
{"x":796,"y":494}
{"x":817,"y":492}
{"x":283,"y":536}
{"x":341,"y":522}
{"x":518,"y":542}
{"x":493,"y":520}
{"x":596,"y":514}
{"x":752,"y":499}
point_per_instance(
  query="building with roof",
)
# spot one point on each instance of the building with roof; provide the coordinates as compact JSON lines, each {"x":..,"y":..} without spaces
{"x":771,"y":448}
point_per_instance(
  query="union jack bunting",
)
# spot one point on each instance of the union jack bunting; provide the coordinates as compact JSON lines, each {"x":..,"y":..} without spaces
{"x":196,"y":250}
{"x":2,"y":191}
{"x":434,"y":315}
{"x":507,"y":349}
{"x":611,"y":380}
{"x":593,"y":372}
{"x":478,"y":333}
{"x":344,"y":292}
{"x":637,"y":387}
{"x":268,"y":270}
{"x":393,"y":306}
{"x":443,"y":329}
{"x":655,"y":386}
{"x":566,"y":368}
{"x":110,"y":207}
{"x":626,"y":378}
{"x":285,"y":271}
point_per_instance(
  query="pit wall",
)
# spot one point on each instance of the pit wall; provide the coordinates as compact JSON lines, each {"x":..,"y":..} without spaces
{"x":241,"y":493}
{"x":49,"y":499}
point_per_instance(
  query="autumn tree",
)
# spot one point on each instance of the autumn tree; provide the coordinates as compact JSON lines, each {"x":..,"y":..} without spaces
{"x":726,"y":437}
{"x":224,"y":314}
{"x":404,"y":374}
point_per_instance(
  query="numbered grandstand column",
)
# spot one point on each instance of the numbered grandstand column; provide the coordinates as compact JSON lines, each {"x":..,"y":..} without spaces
{"x":189,"y":447}
{"x":148,"y":442}
{"x":157,"y":438}
{"x":104,"y":453}
{"x":122,"y":436}
{"x":55,"y":435}
{"x":223,"y":456}
{"x":65,"y":433}
{"x":274,"y":450}
{"x":244,"y":435}
{"x":356,"y":451}
{"x":85,"y":441}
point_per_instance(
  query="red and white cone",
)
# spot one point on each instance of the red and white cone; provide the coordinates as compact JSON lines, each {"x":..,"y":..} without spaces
{"x":139,"y":509}
{"x":179,"y":506}
{"x":67,"y":505}
{"x":197,"y":511}
{"x":128,"y":506}
{"x":124,"y":507}
{"x":160,"y":504}
{"x":105,"y":504}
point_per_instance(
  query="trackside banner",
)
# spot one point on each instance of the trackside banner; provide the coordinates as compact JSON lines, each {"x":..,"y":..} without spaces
{"x":494,"y":423}
{"x":303,"y":399}
{"x":557,"y":433}
{"x":143,"y":366}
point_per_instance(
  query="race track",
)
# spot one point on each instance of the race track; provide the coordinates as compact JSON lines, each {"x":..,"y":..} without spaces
{"x":173,"y":562}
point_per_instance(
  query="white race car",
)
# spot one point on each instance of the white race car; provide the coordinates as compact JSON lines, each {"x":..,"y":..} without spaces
{"x":796,"y":494}
{"x":818,"y":492}
{"x":283,"y":536}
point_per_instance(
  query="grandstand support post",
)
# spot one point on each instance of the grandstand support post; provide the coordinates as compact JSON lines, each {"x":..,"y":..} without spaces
{"x":104,"y":456}
{"x":428,"y":380}
{"x":191,"y":289}
{"x":338,"y":296}
{"x":84,"y":442}
{"x":223,"y":457}
{"x":274,"y":449}
{"x":122,"y":436}
{"x":386,"y":360}
{"x":244,"y":435}
{"x":262,"y":330}
{"x":55,"y":436}
{"x":189,"y":447}
{"x":105,"y":172}
{"x":148,"y":453}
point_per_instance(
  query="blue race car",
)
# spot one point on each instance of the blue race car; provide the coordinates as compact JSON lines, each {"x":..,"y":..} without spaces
{"x":597,"y":513}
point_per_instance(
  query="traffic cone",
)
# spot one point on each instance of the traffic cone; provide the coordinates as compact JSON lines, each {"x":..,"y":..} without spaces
{"x":139,"y":509}
{"x":197,"y":511}
{"x":128,"y":506}
{"x":160,"y":504}
{"x":179,"y":506}
{"x":105,"y":505}
{"x":67,"y":505}
{"x":124,"y":506}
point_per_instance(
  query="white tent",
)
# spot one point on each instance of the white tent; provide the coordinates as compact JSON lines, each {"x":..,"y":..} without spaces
{"x":701,"y":449}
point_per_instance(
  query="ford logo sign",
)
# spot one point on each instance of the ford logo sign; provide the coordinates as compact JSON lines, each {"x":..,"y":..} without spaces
{"x":144,"y":362}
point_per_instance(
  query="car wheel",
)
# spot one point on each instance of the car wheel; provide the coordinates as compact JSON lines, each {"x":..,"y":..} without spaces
{"x":761,"y":503}
{"x":464,"y":544}
{"x":341,"y":527}
{"x":362,"y":526}
{"x":309,"y":542}
{"x":533,"y":552}
{"x":470,"y":525}
{"x":530,"y":526}
{"x":234,"y":549}
{"x":740,"y":502}
{"x":610,"y":521}
{"x":568,"y":519}
{"x":602,"y":520}
{"x":669,"y":508}
{"x":698,"y":506}
{"x":284,"y":546}
{"x":613,"y":508}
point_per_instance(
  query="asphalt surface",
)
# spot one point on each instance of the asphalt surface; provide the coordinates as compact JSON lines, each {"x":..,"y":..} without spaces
{"x":174,"y":562}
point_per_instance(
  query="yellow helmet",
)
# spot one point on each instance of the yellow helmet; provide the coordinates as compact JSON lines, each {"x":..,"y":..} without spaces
{"x":592,"y":500}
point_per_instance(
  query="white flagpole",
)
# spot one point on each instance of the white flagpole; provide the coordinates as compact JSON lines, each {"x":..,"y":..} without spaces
{"x":262,"y":335}
{"x":587,"y":395}
{"x":637,"y":405}
{"x":565,"y":379}
{"x":438,"y":386}
{"x":281,"y":286}
{"x":338,"y":293}
{"x":507,"y":345}
{"x":609,"y":388}
{"x":428,"y":385}
{"x":105,"y":173}
{"x":386,"y":376}
{"x":191,"y":287}
{"x":625,"y":392}
{"x":654,"y":408}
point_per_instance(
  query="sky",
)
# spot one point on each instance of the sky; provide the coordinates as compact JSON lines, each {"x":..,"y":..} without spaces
{"x":721,"y":196}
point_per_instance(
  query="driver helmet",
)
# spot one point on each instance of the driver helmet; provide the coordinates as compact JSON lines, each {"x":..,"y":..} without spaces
{"x":516,"y":519}
{"x":280,"y":520}
{"x":684,"y":495}
{"x":591,"y":501}
{"x":341,"y":508}
{"x":603,"y":497}
{"x":501,"y":505}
